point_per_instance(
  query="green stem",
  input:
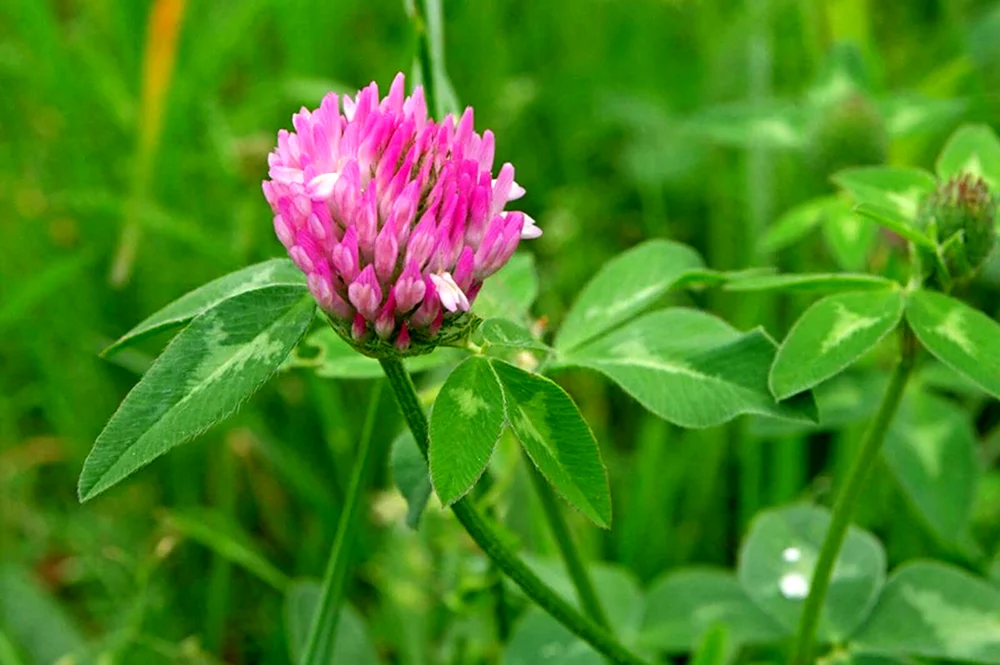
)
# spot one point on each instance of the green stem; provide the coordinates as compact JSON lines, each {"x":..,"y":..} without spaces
{"x":759,"y":178}
{"x":493,"y":574}
{"x":221,"y":572}
{"x":424,"y":55}
{"x":789,"y":466}
{"x":571,"y":555}
{"x":323,"y":627}
{"x":499,"y":604}
{"x":848,"y":497}
{"x":491,"y":544}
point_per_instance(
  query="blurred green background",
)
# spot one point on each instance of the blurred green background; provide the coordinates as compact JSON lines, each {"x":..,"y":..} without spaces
{"x":123,"y":185}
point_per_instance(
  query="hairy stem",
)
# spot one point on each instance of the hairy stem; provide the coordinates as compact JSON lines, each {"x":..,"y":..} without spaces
{"x":571,"y":555}
{"x":483,"y":534}
{"x":323,"y":627}
{"x":848,"y":498}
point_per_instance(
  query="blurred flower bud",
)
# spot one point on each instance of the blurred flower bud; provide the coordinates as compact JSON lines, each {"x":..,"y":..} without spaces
{"x":848,"y":131}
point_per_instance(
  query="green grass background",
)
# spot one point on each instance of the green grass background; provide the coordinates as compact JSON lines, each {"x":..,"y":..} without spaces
{"x":596,"y":102}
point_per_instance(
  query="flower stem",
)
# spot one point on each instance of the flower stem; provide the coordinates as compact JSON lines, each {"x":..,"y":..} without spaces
{"x":848,"y":497}
{"x":491,"y":544}
{"x":323,"y":628}
{"x":571,"y":555}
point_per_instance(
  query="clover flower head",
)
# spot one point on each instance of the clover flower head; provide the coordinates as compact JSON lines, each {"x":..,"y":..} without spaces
{"x":395,"y":219}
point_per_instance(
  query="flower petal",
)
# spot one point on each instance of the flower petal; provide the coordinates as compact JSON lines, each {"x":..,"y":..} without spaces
{"x":452,"y":298}
{"x":530,"y":230}
{"x":321,"y":187}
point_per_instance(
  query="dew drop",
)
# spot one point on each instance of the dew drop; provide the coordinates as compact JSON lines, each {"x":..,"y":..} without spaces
{"x":794,"y":586}
{"x":791,"y":554}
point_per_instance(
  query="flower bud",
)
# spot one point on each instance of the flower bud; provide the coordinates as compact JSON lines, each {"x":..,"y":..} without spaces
{"x":849,"y":131}
{"x":960,"y":217}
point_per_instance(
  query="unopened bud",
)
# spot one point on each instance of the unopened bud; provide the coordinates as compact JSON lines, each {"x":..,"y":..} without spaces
{"x":960,"y":217}
{"x":848,"y":132}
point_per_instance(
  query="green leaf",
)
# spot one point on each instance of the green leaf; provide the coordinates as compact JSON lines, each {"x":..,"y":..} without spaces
{"x":35,"y":621}
{"x":933,"y":610}
{"x":212,"y":367}
{"x":352,"y":643}
{"x":797,"y":223}
{"x":931,"y":450}
{"x":510,"y":292}
{"x":702,"y":278}
{"x":848,"y":398}
{"x":714,"y":648}
{"x":276,"y":272}
{"x":810,"y":282}
{"x":224,"y":537}
{"x":625,"y":286}
{"x":842,"y":73}
{"x":938,"y":376}
{"x":895,"y":222}
{"x":557,"y":439}
{"x":538,"y":637}
{"x":776,"y":565}
{"x":702,"y":373}
{"x":830,"y":336}
{"x":899,"y":190}
{"x":972,"y":149}
{"x":411,"y":475}
{"x":907,"y":115}
{"x":336,"y":359}
{"x":961,"y":337}
{"x":507,"y":334}
{"x":849,"y":238}
{"x":778,"y":125}
{"x":684,"y":605}
{"x":466,"y":422}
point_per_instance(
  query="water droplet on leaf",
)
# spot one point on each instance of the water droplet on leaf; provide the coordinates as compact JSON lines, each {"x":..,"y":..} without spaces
{"x":791,"y":554}
{"x":794,"y":586}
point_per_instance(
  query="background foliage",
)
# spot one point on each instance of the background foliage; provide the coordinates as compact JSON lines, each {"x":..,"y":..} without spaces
{"x":125,"y":185}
